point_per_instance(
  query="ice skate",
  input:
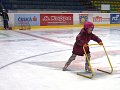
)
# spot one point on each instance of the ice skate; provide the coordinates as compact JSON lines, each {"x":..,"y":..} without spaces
{"x":87,"y":68}
{"x":69,"y":61}
{"x":65,"y":67}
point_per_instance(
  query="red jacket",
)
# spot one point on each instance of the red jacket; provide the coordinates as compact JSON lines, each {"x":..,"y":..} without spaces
{"x":83,"y":38}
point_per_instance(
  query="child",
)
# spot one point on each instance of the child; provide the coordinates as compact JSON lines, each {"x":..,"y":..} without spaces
{"x":82,"y":39}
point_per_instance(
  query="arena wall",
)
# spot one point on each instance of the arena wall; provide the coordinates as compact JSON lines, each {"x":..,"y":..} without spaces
{"x":51,"y":20}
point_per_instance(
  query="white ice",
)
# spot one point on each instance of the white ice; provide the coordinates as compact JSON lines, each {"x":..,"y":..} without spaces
{"x":33,"y":60}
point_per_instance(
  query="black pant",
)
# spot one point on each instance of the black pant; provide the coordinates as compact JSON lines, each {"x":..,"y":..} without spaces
{"x":6,"y":26}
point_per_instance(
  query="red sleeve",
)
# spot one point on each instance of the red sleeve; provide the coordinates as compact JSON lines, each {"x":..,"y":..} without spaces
{"x":96,"y":38}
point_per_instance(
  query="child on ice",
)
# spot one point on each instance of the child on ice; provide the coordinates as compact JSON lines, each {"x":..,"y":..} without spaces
{"x":82,"y":39}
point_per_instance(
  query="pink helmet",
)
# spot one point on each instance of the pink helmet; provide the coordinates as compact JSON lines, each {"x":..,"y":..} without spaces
{"x":88,"y":25}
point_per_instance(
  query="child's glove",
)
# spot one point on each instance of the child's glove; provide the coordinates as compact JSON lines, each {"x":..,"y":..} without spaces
{"x":100,"y":43}
{"x":85,"y":45}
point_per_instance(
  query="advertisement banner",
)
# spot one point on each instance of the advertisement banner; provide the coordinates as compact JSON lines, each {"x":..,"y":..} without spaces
{"x":33,"y":19}
{"x":115,"y":18}
{"x":83,"y":18}
{"x":56,"y":19}
{"x":101,"y":18}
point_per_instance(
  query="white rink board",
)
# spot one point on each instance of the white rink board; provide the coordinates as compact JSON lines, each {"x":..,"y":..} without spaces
{"x":1,"y":21}
{"x":11,"y":20}
{"x":101,"y":18}
{"x":96,"y":18}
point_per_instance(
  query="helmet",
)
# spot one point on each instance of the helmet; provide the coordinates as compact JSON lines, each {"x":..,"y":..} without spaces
{"x":88,"y":25}
{"x":3,"y":10}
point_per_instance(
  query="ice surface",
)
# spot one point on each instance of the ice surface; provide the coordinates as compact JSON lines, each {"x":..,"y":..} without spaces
{"x":33,"y":60}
